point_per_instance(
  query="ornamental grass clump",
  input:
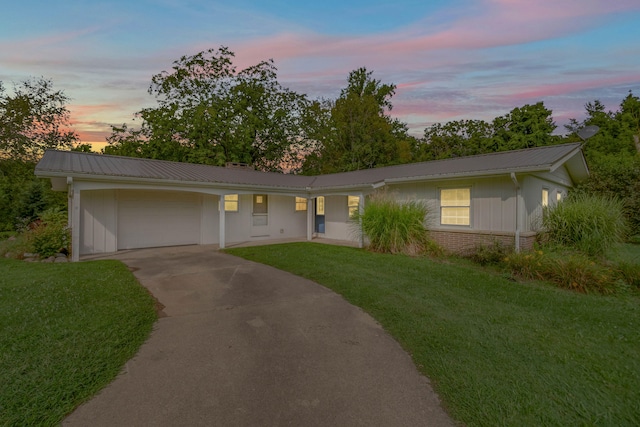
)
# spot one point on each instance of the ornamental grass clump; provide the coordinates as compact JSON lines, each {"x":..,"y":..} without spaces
{"x":589,"y":223}
{"x":393,"y":226}
{"x":573,"y":271}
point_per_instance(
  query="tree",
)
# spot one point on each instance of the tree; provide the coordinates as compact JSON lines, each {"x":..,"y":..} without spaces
{"x":524,"y":127}
{"x":210,"y":113}
{"x":455,"y":139}
{"x":33,"y":119}
{"x":613,"y":155}
{"x":356,"y":132}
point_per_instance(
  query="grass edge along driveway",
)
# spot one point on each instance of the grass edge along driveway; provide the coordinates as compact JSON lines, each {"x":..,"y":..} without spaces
{"x":67,"y":330}
{"x":497,"y":352}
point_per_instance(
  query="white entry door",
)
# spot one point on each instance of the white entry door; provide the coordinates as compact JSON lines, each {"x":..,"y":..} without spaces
{"x":260,"y":216}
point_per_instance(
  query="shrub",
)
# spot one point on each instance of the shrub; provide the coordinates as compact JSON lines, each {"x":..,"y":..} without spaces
{"x":51,"y":233}
{"x":394,"y":227}
{"x":588,"y":223}
{"x":574,"y":271}
{"x":492,"y":254}
{"x":629,"y":272}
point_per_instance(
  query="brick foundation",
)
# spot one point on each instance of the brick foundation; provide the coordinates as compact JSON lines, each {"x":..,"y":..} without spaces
{"x":465,"y":241}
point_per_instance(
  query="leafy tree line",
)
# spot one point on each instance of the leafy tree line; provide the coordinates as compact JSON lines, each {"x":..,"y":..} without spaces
{"x":33,"y":118}
{"x":210,"y":112}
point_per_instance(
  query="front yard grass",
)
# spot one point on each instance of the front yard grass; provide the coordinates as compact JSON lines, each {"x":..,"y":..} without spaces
{"x":67,"y":330}
{"x":498,"y":352}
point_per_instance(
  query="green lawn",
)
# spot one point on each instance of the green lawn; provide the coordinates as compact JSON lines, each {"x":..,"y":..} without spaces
{"x":67,"y":329}
{"x":499,"y":353}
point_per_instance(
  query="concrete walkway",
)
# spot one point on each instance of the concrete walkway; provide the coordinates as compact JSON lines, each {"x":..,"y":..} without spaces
{"x":243,"y":344}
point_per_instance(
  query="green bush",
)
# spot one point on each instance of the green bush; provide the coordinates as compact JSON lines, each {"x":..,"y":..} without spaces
{"x":492,"y":254}
{"x":51,"y":234}
{"x":574,"y":271}
{"x":588,"y":223}
{"x":629,"y":272}
{"x":394,"y":227}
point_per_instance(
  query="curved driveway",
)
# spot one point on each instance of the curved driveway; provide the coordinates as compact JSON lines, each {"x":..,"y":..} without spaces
{"x":243,"y":344}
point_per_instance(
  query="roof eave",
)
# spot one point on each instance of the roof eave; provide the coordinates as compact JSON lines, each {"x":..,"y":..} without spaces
{"x":171,"y":182}
{"x":540,"y":168}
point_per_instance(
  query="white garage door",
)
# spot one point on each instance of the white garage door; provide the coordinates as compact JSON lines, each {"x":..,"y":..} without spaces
{"x":152,"y":219}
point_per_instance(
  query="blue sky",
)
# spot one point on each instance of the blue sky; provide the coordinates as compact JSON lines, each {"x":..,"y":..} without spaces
{"x":451,"y":60}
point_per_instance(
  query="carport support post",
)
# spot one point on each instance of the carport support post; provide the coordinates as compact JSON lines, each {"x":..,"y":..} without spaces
{"x":360,"y":211}
{"x":75,"y":222}
{"x":222,"y":220}
{"x":309,"y":219}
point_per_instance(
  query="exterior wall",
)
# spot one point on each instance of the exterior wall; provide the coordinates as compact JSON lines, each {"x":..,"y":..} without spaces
{"x":336,"y":217}
{"x":210,"y":220}
{"x":282,"y":220}
{"x":493,"y":202}
{"x":98,"y":213}
{"x":532,"y":186}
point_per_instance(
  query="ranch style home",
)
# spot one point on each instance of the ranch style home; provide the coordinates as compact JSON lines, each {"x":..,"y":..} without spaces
{"x":118,"y":203}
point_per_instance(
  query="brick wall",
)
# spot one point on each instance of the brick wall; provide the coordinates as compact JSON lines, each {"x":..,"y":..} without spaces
{"x":465,"y":241}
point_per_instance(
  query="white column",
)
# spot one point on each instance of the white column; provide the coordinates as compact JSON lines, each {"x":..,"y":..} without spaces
{"x":221,"y":243}
{"x":309,"y":219}
{"x":360,"y":211}
{"x":75,"y":223}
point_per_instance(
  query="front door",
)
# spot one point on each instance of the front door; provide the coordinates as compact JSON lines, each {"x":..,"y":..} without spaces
{"x":319,"y":218}
{"x":260,"y":216}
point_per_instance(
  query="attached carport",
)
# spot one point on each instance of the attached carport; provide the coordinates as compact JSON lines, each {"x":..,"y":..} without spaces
{"x":158,"y":218}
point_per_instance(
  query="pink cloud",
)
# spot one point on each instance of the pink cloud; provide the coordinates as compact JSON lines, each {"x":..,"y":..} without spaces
{"x":556,"y":89}
{"x":494,"y":23}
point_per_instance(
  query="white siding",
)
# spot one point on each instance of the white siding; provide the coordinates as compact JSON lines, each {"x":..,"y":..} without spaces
{"x":336,"y":219}
{"x":158,"y":218}
{"x":282,"y":219}
{"x":492,"y":202}
{"x":532,"y":195}
{"x":97,"y":222}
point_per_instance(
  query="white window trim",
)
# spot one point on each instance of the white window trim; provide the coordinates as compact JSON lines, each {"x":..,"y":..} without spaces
{"x":351,"y":206}
{"x":300,"y":204}
{"x":440,"y":190}
{"x":236,"y":201}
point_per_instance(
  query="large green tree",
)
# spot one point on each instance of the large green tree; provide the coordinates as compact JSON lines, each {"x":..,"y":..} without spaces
{"x":455,"y":139}
{"x":613,"y":154}
{"x":524,"y":127}
{"x":356,"y":132}
{"x":209,"y":112}
{"x":33,"y":118}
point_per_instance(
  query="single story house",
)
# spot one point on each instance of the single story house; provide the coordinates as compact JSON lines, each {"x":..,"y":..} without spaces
{"x":118,"y":203}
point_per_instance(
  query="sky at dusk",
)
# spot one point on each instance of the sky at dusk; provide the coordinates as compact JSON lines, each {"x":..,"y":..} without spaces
{"x":450,"y":59}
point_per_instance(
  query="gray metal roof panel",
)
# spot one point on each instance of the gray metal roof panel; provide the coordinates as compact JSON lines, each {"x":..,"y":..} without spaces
{"x":78,"y":163}
{"x":540,"y":158}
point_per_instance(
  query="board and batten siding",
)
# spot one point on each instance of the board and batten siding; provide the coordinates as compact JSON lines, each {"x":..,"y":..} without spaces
{"x":98,"y":213}
{"x":493,"y":202}
{"x":532,"y":195}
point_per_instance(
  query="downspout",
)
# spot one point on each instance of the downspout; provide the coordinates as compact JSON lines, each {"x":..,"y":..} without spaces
{"x":518,"y":195}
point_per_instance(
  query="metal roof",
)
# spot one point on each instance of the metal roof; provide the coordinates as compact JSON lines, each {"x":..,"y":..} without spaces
{"x":539,"y":159}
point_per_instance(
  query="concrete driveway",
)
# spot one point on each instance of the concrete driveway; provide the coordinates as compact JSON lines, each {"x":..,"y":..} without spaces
{"x":243,"y":344}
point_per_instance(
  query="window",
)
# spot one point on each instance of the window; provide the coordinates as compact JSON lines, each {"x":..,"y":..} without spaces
{"x":301,"y":204}
{"x":260,"y":210}
{"x":231,"y":202}
{"x":545,"y":197}
{"x":320,"y":205}
{"x":260,"y":205}
{"x":559,"y":196}
{"x":353,"y":202}
{"x":455,"y":206}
